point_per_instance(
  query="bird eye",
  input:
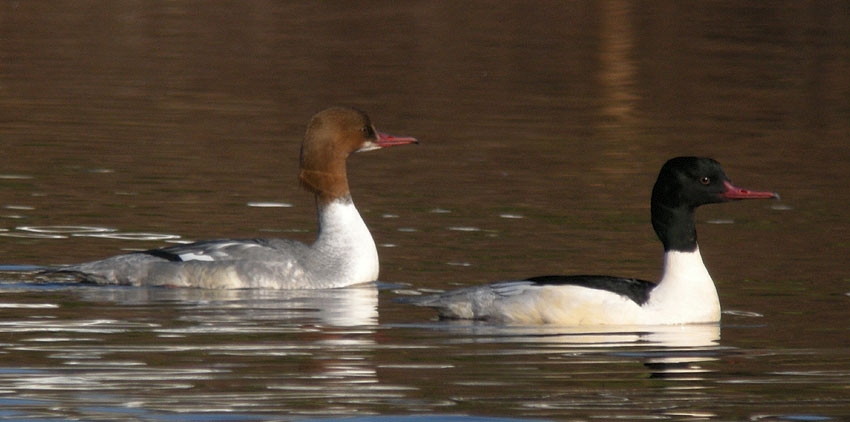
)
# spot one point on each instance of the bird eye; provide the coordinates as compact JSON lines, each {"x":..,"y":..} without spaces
{"x":368,"y":131}
{"x":705,"y":180}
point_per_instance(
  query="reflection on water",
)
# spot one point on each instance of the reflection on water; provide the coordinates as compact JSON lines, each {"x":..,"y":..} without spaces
{"x":225,"y":354}
{"x":308,"y":352}
{"x":349,"y":307}
{"x":355,"y":306}
{"x":131,"y":125}
{"x":665,"y":350}
{"x":315,"y":346}
{"x":692,"y":335}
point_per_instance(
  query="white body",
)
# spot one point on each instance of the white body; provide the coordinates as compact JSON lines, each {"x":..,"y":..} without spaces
{"x":685,"y":294}
{"x":342,"y":255}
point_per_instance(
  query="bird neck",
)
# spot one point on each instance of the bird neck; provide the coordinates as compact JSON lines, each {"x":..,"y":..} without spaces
{"x":675,"y":227}
{"x":328,"y":185}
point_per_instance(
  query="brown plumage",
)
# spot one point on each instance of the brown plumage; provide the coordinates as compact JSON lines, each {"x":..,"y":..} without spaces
{"x":332,"y":135}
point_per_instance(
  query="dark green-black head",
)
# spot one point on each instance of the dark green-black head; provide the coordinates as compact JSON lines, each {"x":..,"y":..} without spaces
{"x":683,"y":184}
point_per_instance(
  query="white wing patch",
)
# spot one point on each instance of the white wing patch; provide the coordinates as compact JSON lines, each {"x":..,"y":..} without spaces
{"x":192,"y":256}
{"x":221,"y":251}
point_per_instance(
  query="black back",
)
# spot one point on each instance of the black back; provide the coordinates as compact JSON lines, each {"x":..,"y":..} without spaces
{"x":162,"y":253}
{"x":632,"y":288}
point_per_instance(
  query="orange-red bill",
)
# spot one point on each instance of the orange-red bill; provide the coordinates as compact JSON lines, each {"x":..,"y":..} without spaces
{"x":734,"y":192}
{"x":385,"y":140}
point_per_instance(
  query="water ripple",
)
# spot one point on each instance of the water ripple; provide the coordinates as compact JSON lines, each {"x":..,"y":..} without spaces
{"x":64,"y":229}
{"x":132,"y":236}
{"x":270,"y":204}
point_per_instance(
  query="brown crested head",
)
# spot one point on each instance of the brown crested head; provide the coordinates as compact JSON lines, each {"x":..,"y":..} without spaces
{"x":332,"y":135}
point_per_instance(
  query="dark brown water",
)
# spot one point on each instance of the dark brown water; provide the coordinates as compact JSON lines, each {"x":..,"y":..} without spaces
{"x":124,"y":125}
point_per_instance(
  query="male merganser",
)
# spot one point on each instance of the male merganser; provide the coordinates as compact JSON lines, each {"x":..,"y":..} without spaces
{"x":343,"y":253}
{"x":685,"y":294}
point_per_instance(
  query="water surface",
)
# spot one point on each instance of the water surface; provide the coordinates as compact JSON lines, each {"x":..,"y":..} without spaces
{"x":129,"y":125}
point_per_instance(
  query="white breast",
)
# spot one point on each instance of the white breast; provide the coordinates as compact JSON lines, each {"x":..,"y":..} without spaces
{"x":686,"y":292}
{"x":344,"y":250}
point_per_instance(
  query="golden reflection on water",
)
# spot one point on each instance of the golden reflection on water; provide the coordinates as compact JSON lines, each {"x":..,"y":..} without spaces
{"x":542,"y":127}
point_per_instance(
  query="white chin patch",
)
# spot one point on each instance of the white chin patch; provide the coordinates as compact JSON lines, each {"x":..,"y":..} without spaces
{"x":368,"y":146}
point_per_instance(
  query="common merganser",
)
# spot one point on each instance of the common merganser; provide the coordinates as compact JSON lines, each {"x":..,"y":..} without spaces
{"x":685,"y":294}
{"x":343,"y":253}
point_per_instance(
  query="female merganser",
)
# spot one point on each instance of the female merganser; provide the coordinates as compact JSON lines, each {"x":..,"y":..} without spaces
{"x":343,"y":253}
{"x":685,"y":294}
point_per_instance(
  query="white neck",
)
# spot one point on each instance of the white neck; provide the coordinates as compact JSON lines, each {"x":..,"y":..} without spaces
{"x":686,"y":292}
{"x":344,"y":252}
